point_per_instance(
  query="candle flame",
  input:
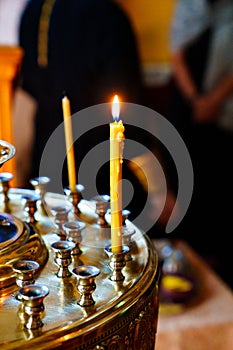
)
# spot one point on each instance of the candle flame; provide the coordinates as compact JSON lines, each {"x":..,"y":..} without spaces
{"x":116,"y":108}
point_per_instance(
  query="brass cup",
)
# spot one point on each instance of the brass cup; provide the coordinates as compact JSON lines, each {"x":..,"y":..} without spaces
{"x":74,"y":197}
{"x":117,"y":263}
{"x":25,"y":271}
{"x":60,"y":214}
{"x":86,"y":275}
{"x":40,"y":183}
{"x":73,"y":230}
{"x":63,"y":258}
{"x":32,"y":297}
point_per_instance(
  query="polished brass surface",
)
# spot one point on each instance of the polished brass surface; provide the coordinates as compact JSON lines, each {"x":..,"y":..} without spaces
{"x":124,"y":315}
{"x":24,"y":243}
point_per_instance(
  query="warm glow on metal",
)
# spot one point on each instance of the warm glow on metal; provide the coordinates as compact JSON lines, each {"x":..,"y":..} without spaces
{"x":115,"y":108}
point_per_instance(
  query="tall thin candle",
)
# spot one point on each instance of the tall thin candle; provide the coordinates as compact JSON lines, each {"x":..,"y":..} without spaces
{"x":69,"y":143}
{"x":116,"y":154}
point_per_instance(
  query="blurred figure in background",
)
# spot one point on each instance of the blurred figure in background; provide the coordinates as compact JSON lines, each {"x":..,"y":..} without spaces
{"x":202,"y":111}
{"x":86,"y":48}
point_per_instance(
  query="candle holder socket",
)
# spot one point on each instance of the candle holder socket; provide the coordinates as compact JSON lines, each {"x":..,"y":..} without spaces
{"x":117,"y":263}
{"x":30,"y":207}
{"x":74,"y":197}
{"x":102,"y":203}
{"x":86,"y":275}
{"x":63,"y":257}
{"x":25,"y":272}
{"x":128,"y":232}
{"x":40,"y":183}
{"x":73,"y":230}
{"x":5,"y":178}
{"x":60,"y":214}
{"x":125,"y":214}
{"x":32,"y":297}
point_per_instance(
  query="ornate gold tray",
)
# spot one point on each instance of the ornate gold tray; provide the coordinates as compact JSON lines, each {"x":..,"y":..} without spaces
{"x":124,"y":314}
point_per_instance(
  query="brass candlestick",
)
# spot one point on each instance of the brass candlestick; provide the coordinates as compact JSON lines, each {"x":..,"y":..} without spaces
{"x":61,"y":216}
{"x":125,"y":215}
{"x":102,"y":203}
{"x":73,"y":230}
{"x":40,"y":183}
{"x":31,"y":207}
{"x":117,"y":263}
{"x":74,"y":197}
{"x":5,"y":178}
{"x":86,"y":275}
{"x":32,"y":296}
{"x":128,"y":232}
{"x":63,"y":258}
{"x":25,"y":271}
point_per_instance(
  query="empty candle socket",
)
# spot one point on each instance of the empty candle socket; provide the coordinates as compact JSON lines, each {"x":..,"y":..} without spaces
{"x":25,"y":271}
{"x":60,"y":214}
{"x":102,"y":204}
{"x":63,"y":257}
{"x":73,"y":230}
{"x":86,"y":275}
{"x":74,"y":197}
{"x":32,"y":296}
{"x":40,"y":183}
{"x":30,"y":207}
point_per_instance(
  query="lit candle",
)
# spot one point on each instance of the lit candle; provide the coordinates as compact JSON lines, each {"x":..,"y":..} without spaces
{"x":69,"y":143}
{"x":116,"y":152}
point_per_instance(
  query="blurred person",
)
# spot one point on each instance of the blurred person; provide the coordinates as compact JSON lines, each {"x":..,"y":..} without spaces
{"x":88,"y":49}
{"x":85,"y":48}
{"x":202,"y":110}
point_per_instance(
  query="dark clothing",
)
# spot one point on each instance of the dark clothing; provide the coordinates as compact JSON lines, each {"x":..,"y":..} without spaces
{"x":92,"y":55}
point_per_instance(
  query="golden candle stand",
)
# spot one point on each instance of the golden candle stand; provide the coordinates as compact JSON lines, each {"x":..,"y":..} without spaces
{"x":92,"y":300}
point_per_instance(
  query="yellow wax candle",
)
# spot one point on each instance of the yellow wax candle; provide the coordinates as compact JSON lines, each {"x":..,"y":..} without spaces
{"x":69,"y":143}
{"x":116,"y":152}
